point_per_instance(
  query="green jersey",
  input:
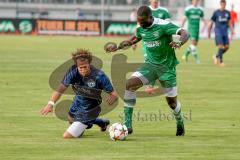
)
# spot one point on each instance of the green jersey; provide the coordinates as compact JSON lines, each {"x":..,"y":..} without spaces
{"x":194,"y":14}
{"x":160,"y":12}
{"x":156,"y":39}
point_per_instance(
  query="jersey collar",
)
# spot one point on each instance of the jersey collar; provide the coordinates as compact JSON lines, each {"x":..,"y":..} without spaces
{"x":152,"y":8}
{"x":154,"y":21}
{"x":194,"y":6}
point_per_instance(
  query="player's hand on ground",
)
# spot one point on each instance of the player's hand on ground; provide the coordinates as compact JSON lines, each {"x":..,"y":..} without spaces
{"x":175,"y":45}
{"x":110,"y":47}
{"x":47,"y":109}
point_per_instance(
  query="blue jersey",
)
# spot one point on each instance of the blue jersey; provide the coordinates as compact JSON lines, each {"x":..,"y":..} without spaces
{"x":87,"y":89}
{"x":221,"y":20}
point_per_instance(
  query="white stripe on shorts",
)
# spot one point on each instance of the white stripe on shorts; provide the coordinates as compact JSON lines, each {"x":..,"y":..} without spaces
{"x":141,"y":77}
{"x":170,"y":92}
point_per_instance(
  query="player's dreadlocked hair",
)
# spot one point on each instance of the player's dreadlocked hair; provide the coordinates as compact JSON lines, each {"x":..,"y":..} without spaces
{"x":144,"y":11}
{"x":82,"y":55}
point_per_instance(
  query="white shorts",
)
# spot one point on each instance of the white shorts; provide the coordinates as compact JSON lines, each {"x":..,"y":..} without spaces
{"x":76,"y":129}
{"x":168,"y":92}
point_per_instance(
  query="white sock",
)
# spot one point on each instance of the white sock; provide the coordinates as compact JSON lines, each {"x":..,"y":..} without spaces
{"x":129,"y":98}
{"x":178,"y":108}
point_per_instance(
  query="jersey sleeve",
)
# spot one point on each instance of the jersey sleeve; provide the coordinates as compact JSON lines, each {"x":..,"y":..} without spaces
{"x":105,"y":83}
{"x":214,"y":17}
{"x":171,"y":29}
{"x":68,"y":78}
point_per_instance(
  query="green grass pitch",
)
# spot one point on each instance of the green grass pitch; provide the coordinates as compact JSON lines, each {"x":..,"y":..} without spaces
{"x":209,"y":96}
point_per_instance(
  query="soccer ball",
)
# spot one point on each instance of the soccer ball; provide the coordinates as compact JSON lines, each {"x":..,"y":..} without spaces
{"x":118,"y":132}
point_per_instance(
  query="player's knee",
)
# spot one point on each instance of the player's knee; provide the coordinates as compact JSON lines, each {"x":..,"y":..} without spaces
{"x":221,"y":47}
{"x":193,"y":47}
{"x":194,"y":42}
{"x":67,"y":135}
{"x":131,"y":85}
{"x":226,"y":48}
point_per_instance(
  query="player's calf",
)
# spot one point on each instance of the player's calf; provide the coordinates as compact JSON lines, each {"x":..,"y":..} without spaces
{"x":171,"y":97}
{"x":130,"y":100}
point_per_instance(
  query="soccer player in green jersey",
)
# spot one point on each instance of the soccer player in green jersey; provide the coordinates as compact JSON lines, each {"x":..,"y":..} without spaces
{"x":160,"y":62}
{"x":162,"y":13}
{"x":193,"y":14}
{"x":157,"y":11}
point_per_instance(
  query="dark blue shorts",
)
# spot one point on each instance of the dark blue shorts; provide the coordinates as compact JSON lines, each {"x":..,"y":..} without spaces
{"x":221,"y":39}
{"x":84,"y":116}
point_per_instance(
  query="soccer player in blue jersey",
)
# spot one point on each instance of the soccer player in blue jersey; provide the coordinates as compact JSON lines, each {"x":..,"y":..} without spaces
{"x":221,"y":18}
{"x":87,"y":82}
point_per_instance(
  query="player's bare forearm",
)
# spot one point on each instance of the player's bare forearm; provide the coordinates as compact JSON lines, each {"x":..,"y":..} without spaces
{"x":134,"y":39}
{"x":128,"y":43}
{"x":204,"y":25}
{"x":210,"y":29}
{"x":184,"y":36}
{"x":58,"y":93}
{"x":113,"y":97}
{"x":113,"y":47}
{"x":54,"y":98}
{"x":184,"y":21}
{"x":205,"y":21}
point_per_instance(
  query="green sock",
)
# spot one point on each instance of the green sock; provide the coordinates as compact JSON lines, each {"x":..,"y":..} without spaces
{"x":128,"y":111}
{"x":187,"y":53}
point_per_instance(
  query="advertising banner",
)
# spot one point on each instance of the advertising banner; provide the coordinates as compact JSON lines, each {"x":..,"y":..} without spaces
{"x":17,"y":26}
{"x":120,"y":28}
{"x":81,"y":27}
{"x":68,"y":27}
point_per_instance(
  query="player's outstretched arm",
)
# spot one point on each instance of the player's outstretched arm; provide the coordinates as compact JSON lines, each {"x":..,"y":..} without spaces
{"x":112,"y":98}
{"x":54,"y":98}
{"x":112,"y":47}
{"x":128,"y":43}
